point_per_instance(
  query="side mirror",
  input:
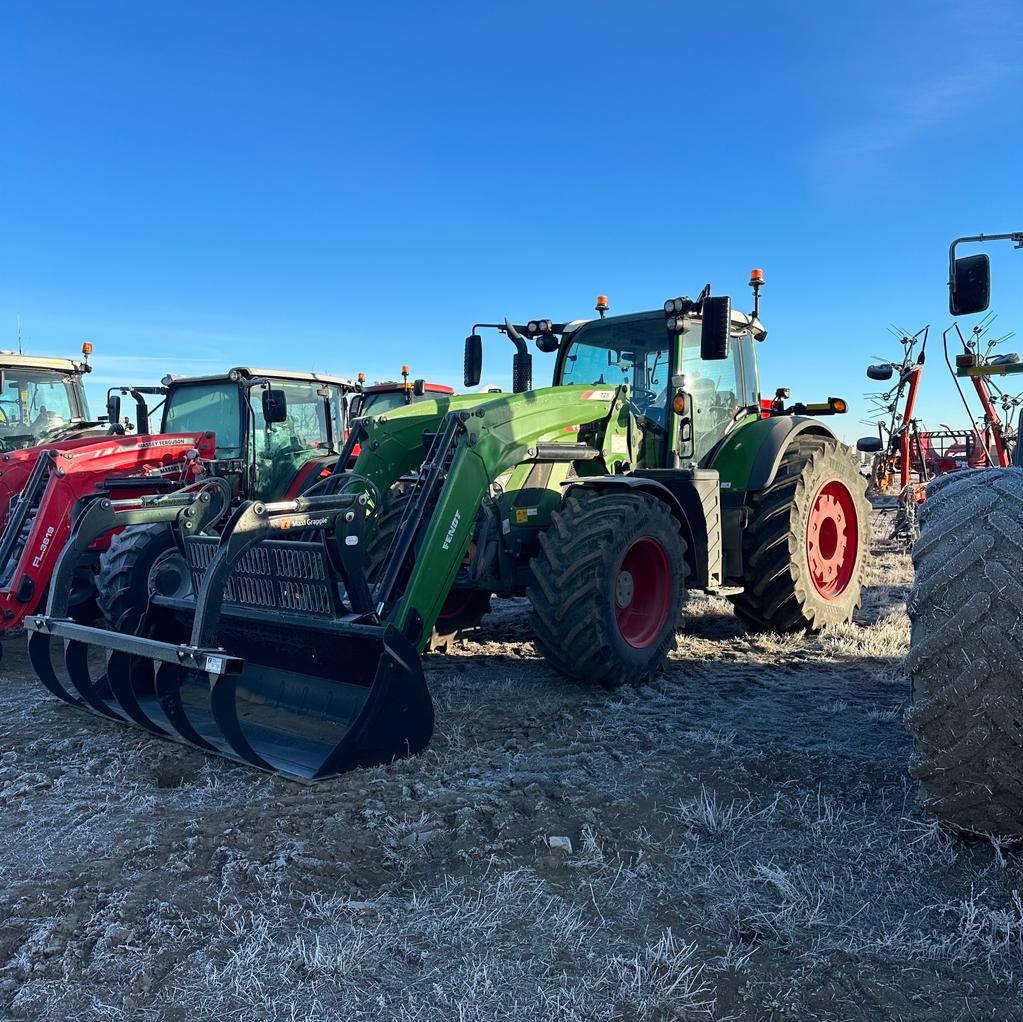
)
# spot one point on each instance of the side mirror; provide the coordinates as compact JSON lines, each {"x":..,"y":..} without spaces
{"x":869,"y":444}
{"x":113,"y":408}
{"x":880,"y":372}
{"x":970,"y":287}
{"x":275,"y":406}
{"x":418,"y":388}
{"x":473,"y":362}
{"x":717,"y":326}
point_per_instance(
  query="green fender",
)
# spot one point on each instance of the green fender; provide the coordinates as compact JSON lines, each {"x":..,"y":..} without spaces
{"x":747,"y":459}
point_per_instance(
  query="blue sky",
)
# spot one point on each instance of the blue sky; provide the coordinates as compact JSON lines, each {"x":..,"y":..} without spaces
{"x":311,"y":185}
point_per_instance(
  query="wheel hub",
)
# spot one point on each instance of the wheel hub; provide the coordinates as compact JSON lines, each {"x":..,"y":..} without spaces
{"x":624,"y":589}
{"x":643,"y":591}
{"x":832,"y":539}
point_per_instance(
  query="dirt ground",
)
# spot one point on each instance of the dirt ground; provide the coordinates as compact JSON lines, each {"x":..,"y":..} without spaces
{"x":744,"y":843}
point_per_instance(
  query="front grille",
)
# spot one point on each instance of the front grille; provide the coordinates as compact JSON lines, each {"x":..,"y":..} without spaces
{"x":276,"y":574}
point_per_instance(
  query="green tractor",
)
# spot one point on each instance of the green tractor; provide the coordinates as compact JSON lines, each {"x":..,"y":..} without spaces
{"x":649,"y":469}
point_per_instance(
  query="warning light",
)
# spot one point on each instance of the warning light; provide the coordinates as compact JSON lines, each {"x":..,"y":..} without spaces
{"x":756,"y":277}
{"x":404,"y":370}
{"x":601,"y":305}
{"x":86,"y":348}
{"x":678,"y":403}
{"x":838,"y":405}
{"x":361,"y":377}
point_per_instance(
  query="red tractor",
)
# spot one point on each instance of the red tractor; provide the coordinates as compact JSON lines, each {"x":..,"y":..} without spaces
{"x":384,"y":395}
{"x":269,"y":434}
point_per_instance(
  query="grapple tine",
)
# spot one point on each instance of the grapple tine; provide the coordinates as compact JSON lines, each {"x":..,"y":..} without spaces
{"x":224,"y":705}
{"x":169,"y":679}
{"x":122,"y":673}
{"x":76,"y":663}
{"x":40,"y":656}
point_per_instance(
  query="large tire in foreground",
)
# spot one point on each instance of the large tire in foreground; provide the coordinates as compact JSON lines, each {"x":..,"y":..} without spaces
{"x":806,"y":542}
{"x":966,"y":652}
{"x":608,"y":585}
{"x":139,"y":560}
{"x":463,"y":610}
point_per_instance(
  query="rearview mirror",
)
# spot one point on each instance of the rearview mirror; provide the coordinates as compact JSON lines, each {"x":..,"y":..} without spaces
{"x":418,"y":388}
{"x":717,"y":325}
{"x":880,"y":372}
{"x":113,"y":408}
{"x":473,"y":361}
{"x":275,"y":406}
{"x":970,"y":287}
{"x":869,"y":444}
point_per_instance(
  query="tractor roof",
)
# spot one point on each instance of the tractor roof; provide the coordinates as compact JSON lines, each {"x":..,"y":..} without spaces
{"x":386,"y":385}
{"x":739,"y":319}
{"x":274,"y":374}
{"x":12,"y":360}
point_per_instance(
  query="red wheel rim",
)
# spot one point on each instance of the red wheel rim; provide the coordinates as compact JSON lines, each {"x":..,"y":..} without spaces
{"x":642,"y":592}
{"x":458,"y":601}
{"x":832,"y":539}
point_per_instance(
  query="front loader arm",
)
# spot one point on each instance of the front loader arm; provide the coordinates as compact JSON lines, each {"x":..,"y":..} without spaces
{"x":486,"y":441}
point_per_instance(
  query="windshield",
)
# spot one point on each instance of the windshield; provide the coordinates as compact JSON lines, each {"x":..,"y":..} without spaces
{"x":35,"y":405}
{"x":380,"y":401}
{"x":214,"y":406}
{"x":632,"y":350}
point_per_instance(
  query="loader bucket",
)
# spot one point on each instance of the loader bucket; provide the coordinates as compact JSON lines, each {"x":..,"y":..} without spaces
{"x":308,"y":710}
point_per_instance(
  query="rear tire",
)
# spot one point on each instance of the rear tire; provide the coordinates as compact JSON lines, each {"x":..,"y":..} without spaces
{"x":966,"y":609}
{"x":128,"y":571}
{"x":608,"y":585}
{"x":806,"y":543}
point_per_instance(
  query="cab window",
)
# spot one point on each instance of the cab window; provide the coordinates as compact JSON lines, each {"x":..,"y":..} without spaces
{"x":312,"y":429}
{"x":34,"y":405}
{"x":214,"y":406}
{"x":631,"y":350}
{"x":719,"y":390}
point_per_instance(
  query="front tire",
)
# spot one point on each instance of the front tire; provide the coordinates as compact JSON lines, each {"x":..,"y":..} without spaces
{"x":139,"y":559}
{"x":966,"y":609}
{"x":608,"y":585}
{"x":805,"y":546}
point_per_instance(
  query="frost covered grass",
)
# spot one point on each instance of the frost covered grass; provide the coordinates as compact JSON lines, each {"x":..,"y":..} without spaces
{"x":745,"y":844}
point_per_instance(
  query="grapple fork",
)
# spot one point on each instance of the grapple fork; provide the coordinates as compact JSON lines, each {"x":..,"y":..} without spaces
{"x":283,"y":663}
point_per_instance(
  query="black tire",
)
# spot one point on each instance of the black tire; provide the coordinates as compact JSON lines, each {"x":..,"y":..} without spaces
{"x":127,"y":571}
{"x":780,"y":592}
{"x":463,"y":610}
{"x":577,"y":593}
{"x":966,"y":610}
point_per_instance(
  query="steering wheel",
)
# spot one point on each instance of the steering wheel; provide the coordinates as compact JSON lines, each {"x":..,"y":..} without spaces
{"x":642,"y":399}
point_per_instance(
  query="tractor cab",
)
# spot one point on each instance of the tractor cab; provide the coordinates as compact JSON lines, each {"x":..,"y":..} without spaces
{"x":42,"y":399}
{"x":386,"y":395}
{"x":684,"y":396}
{"x":274,"y":428}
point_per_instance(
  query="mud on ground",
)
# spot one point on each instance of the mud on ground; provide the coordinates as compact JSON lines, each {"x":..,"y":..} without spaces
{"x":745,"y":843}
